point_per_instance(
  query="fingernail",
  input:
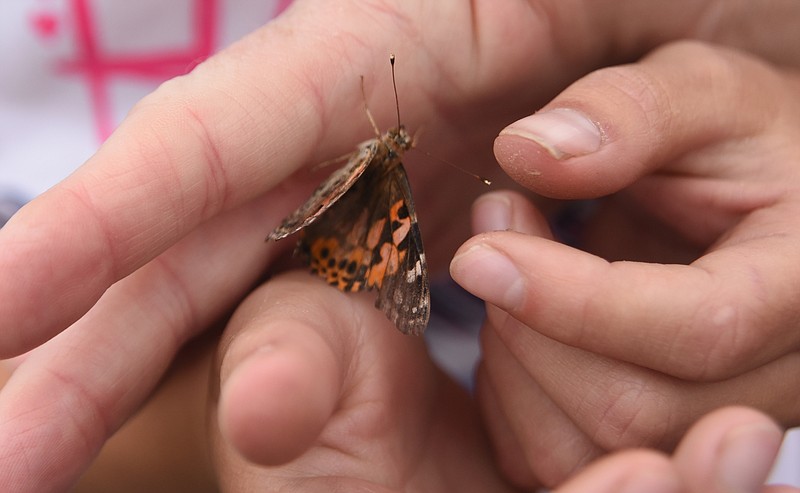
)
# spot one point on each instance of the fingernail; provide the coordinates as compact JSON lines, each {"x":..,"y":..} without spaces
{"x":746,"y":457}
{"x":491,"y":212}
{"x":562,"y":132}
{"x":489,"y":275}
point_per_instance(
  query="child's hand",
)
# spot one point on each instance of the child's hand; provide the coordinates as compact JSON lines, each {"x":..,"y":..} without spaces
{"x":583,"y":355}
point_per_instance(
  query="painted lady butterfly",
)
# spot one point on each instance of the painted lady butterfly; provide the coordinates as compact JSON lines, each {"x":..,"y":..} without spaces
{"x":359,"y":229}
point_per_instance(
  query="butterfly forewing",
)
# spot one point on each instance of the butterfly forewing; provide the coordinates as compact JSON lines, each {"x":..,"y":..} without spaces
{"x":404,"y":295}
{"x":327,"y":193}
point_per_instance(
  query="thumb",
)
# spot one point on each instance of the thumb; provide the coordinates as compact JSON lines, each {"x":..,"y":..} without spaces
{"x":618,"y":124}
{"x":280,"y":371}
{"x":298,"y":355}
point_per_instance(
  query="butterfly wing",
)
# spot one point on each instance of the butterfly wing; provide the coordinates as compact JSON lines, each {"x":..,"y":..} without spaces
{"x":370,"y":240}
{"x":328,"y":192}
{"x":405,"y":296}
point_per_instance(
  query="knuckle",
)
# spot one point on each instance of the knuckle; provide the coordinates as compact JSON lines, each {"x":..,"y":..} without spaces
{"x":660,"y":96}
{"x":180,"y":143}
{"x":635,"y":413}
{"x":700,"y":63}
{"x":719,"y":342}
{"x":716,"y":77}
{"x":637,"y":90}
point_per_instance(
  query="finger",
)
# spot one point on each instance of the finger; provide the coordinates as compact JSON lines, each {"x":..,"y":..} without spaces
{"x":615,"y":404}
{"x":232,"y":129}
{"x":626,"y":472}
{"x":622,"y":405}
{"x":295,"y":352}
{"x":502,"y":210}
{"x":508,"y":451}
{"x":281,"y":379}
{"x":618,"y":124}
{"x":81,"y":386}
{"x":700,"y":322}
{"x":732,"y":449}
{"x":365,"y":407}
{"x":708,"y":320}
{"x":243,"y":121}
{"x":305,"y":372}
{"x":554,"y":447}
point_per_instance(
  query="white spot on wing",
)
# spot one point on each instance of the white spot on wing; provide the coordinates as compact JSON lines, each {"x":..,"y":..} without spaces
{"x":413,"y":274}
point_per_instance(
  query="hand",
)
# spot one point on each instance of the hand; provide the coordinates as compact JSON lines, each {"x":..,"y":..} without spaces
{"x":312,"y":390}
{"x":318,"y":386}
{"x":728,"y":450}
{"x":159,"y":234}
{"x":583,"y":355}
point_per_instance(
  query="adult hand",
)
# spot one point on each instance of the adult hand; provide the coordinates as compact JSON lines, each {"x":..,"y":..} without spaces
{"x":583,"y":355}
{"x":159,"y":234}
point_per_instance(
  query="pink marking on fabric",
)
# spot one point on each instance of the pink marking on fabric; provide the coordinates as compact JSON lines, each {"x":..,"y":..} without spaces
{"x":205,"y":13}
{"x":96,"y":77}
{"x":45,"y":24}
{"x":282,"y":5}
{"x":98,"y":67}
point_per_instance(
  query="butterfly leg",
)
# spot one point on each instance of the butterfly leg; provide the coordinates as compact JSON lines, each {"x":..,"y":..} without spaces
{"x":366,"y":109}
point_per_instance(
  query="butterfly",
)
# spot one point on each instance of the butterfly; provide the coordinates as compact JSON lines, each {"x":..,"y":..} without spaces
{"x":359,"y":231}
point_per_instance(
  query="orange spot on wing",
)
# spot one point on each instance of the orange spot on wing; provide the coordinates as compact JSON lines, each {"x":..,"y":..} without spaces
{"x":389,"y":264}
{"x":374,"y":235}
{"x":401,"y":223}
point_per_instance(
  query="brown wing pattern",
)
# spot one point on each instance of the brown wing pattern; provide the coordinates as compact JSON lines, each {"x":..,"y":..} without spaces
{"x":367,"y":235}
{"x":371,"y":240}
{"x":404,"y":296}
{"x":328,"y":192}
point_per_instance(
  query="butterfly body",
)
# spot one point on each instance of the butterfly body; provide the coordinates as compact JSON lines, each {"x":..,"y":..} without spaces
{"x":359,"y":231}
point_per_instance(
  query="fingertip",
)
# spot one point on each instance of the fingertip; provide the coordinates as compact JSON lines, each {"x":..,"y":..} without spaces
{"x":730,"y":449}
{"x":525,"y":161}
{"x":619,"y":123}
{"x":747,"y":455}
{"x":491,"y":212}
{"x":488,"y":273}
{"x":528,"y":276}
{"x":276,"y":400}
{"x":497,"y":217}
{"x":634,"y":471}
{"x":507,"y":210}
{"x":549,"y":152}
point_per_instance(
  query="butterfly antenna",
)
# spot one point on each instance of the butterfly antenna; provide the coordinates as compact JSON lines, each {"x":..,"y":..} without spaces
{"x":366,"y":109}
{"x":480,"y":178}
{"x":394,"y":85}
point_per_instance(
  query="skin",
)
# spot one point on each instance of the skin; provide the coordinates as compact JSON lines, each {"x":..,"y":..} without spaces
{"x":713,"y":172}
{"x":207,"y":164}
{"x":331,"y":390}
{"x":704,"y":461}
